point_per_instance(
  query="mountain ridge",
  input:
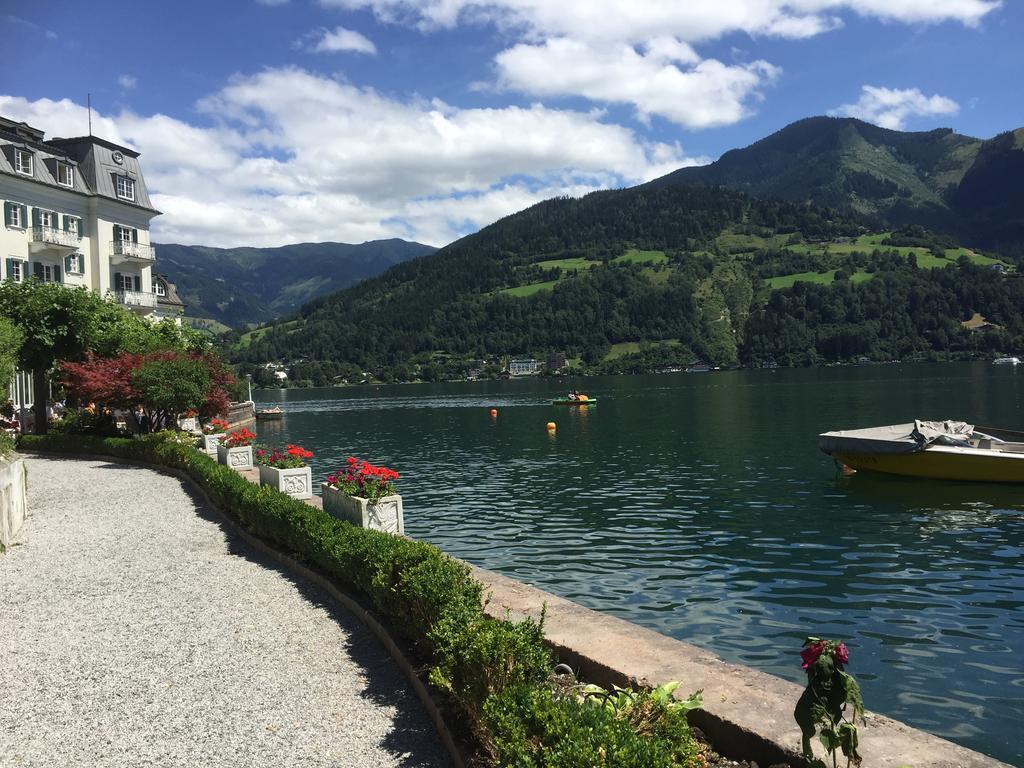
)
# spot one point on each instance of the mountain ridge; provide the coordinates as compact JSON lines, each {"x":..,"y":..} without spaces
{"x":891,"y":178}
{"x":249,"y":285}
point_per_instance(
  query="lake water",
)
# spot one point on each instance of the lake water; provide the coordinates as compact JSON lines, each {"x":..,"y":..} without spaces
{"x":698,"y":505}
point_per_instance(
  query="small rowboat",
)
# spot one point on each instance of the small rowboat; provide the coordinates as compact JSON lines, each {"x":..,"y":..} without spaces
{"x":269,"y":414}
{"x":940,"y":450}
{"x":567,"y":401}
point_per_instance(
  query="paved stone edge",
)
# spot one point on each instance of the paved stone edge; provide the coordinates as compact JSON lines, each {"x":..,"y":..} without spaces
{"x":747,"y":714}
{"x":416,"y":682}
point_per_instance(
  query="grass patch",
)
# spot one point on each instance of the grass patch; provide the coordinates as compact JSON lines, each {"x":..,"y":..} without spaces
{"x":636,"y":256}
{"x":521,"y":291}
{"x":657,"y":276}
{"x":624,"y":348}
{"x":567,"y":265}
{"x":788,"y":281}
{"x":256,"y":334}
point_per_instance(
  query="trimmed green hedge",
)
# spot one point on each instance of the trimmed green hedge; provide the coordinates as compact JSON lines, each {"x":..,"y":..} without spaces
{"x":498,"y":671}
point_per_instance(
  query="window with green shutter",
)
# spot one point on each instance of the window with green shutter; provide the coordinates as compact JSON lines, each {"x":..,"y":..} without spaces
{"x":14,"y":214}
{"x":15,"y":270}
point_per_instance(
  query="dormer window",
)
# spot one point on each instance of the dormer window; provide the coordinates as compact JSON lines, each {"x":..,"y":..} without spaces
{"x":125,"y":188}
{"x":158,"y":288}
{"x":23,"y":162}
{"x":65,"y":175}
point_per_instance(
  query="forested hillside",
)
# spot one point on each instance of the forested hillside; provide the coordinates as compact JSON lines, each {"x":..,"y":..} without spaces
{"x":734,"y":263}
{"x":236,"y":286}
{"x":959,"y":185}
{"x":633,"y":279}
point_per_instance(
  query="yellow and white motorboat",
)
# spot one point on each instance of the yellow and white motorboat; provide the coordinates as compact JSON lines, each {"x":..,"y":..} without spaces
{"x":942,"y":450}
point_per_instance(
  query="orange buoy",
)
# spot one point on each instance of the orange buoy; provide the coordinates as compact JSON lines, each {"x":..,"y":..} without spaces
{"x":551,"y":426}
{"x":494,"y":412}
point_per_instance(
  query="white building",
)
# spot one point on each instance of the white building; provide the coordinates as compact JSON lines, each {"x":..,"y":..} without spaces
{"x":526,"y":367}
{"x":76,"y":211}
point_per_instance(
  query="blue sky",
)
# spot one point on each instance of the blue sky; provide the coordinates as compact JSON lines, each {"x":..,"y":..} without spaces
{"x":263,"y":122}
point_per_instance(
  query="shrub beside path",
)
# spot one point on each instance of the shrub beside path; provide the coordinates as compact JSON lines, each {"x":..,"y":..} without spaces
{"x":138,"y":632}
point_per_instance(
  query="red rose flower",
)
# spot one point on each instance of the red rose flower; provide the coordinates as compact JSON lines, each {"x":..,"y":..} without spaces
{"x":841,"y":655}
{"x":811,"y":653}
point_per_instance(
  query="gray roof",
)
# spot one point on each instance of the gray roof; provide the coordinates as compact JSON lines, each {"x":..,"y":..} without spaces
{"x":92,"y":158}
{"x":172,"y":296}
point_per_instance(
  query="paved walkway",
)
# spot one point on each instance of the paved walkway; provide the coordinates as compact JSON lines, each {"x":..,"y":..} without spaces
{"x":136,"y":632}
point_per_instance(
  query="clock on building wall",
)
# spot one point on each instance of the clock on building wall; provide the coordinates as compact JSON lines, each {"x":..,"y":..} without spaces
{"x":118,"y":157}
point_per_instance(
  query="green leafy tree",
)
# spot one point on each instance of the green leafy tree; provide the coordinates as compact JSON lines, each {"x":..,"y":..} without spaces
{"x":57,"y":323}
{"x":10,"y":344}
{"x":60,"y":323}
{"x":169,"y":385}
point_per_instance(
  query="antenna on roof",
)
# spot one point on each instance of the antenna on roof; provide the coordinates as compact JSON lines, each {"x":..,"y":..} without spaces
{"x":88,"y":99}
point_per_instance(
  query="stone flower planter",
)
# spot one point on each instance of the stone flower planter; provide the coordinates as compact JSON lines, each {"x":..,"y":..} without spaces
{"x":385,"y":515}
{"x":297,"y":483}
{"x":236,"y":458}
{"x":210,"y":443}
{"x":188,"y":424}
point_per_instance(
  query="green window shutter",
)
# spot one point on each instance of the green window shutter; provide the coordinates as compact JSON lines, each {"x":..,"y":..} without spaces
{"x":135,"y":236}
{"x":67,"y":222}
{"x":8,"y":214}
{"x":10,"y":269}
{"x":81,"y":263}
{"x":117,"y":281}
{"x":24,"y":214}
{"x":56,"y":274}
{"x":138,"y":283}
{"x":37,"y":270}
{"x":35,"y":216}
{"x":117,"y":233}
{"x":67,"y":265}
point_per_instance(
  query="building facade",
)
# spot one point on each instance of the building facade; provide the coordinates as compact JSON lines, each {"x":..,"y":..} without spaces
{"x":76,"y":212}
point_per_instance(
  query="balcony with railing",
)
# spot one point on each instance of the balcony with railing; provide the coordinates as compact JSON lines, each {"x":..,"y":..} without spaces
{"x":51,"y":238}
{"x":143,"y":299}
{"x":126,"y":250}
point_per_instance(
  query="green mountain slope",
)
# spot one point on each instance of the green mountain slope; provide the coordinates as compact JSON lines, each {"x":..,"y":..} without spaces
{"x":939,"y":179}
{"x":236,"y":286}
{"x":729,"y":263}
{"x":578,"y":275}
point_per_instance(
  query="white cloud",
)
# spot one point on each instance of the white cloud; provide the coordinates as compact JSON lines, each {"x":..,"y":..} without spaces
{"x":642,"y":54}
{"x":127,"y":82}
{"x":272,"y":2}
{"x":890,"y":107}
{"x":701,"y":95}
{"x":290,"y":156}
{"x":692,"y":20}
{"x":340,"y":39}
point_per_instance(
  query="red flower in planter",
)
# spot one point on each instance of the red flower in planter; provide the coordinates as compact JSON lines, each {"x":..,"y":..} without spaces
{"x":363,"y":479}
{"x":239,"y":438}
{"x":293,"y":458}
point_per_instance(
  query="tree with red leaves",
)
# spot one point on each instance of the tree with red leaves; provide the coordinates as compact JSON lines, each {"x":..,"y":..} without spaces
{"x":157,"y":386}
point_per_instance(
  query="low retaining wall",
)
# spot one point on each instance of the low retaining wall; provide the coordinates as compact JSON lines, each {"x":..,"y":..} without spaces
{"x":242,"y":415}
{"x":13,"y":506}
{"x":747,"y":714}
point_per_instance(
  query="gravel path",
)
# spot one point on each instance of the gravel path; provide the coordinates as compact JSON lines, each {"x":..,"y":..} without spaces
{"x":135,"y":632}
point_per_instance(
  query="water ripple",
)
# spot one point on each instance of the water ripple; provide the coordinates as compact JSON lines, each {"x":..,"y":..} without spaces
{"x":699,"y":507}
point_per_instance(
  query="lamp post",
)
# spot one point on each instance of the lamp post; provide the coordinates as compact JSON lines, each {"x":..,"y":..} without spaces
{"x":248,"y":379}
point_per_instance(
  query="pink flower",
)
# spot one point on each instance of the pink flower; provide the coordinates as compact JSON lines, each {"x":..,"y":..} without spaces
{"x":841,"y":654}
{"x":811,"y":653}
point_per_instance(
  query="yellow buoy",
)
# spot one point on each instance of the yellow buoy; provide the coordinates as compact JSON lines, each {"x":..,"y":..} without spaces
{"x":551,"y":426}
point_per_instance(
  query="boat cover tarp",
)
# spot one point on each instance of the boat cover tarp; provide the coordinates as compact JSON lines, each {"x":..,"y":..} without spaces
{"x":896,"y":438}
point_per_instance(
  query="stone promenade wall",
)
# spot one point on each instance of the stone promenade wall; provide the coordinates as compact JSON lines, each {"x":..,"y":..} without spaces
{"x":13,"y":507}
